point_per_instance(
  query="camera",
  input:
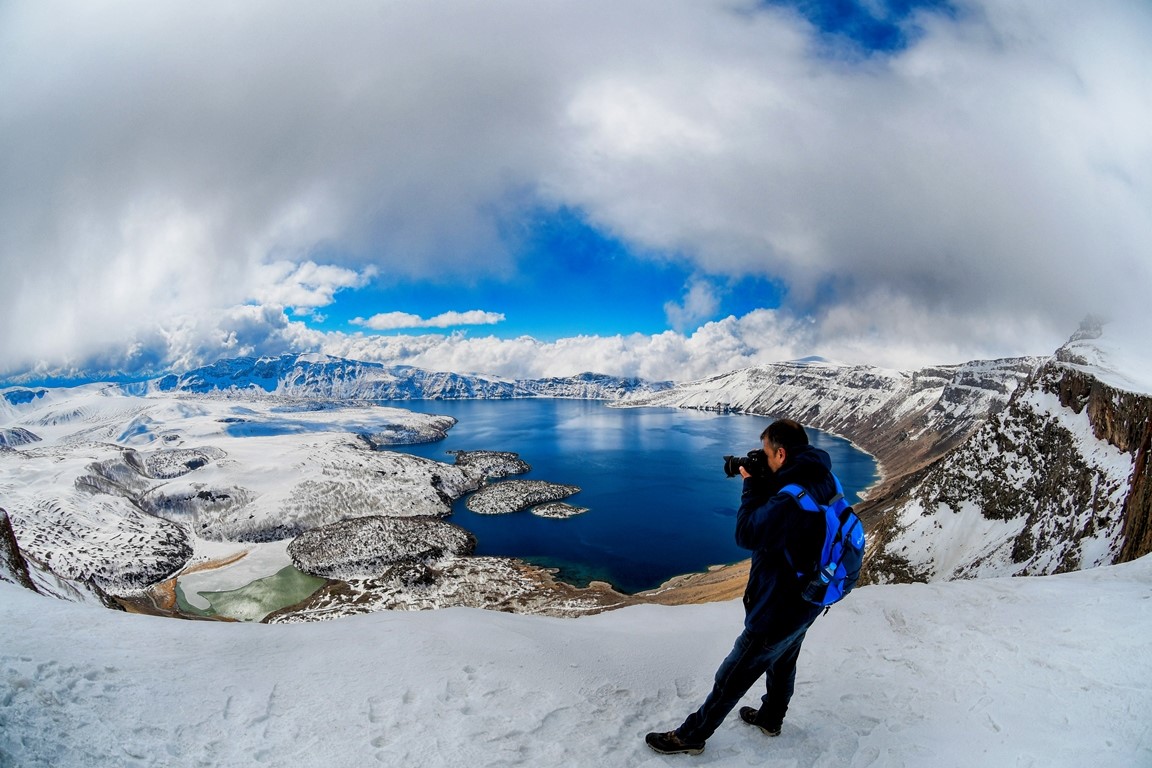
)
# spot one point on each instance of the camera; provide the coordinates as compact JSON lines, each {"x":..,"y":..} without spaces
{"x":756,"y":462}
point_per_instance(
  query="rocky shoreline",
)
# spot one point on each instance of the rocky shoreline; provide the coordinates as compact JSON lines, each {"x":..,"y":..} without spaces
{"x":491,"y":583}
{"x":419,"y":562}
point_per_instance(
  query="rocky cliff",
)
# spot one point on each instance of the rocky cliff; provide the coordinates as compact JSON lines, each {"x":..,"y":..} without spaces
{"x":1056,"y":481}
{"x":13,"y":566}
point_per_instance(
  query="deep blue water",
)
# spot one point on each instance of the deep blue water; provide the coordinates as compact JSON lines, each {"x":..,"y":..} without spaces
{"x":652,"y":478}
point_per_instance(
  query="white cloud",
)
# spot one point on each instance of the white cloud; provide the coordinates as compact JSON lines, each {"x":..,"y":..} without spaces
{"x":991,"y":183}
{"x":977,"y":173}
{"x":305,"y":286}
{"x":700,"y":302}
{"x":759,"y":337}
{"x":899,"y":338}
{"x":388,"y":321}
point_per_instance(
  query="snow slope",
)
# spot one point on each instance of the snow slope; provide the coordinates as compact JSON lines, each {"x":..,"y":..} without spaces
{"x":1047,"y":671}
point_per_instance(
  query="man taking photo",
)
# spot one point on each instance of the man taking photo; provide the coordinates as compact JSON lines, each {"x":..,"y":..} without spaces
{"x":785,"y":540}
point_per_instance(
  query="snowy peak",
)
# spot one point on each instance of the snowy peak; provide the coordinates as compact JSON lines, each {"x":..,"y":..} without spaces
{"x":1112,"y":355}
{"x":327,"y":377}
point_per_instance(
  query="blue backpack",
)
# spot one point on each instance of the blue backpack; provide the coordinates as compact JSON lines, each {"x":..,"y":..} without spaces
{"x":843,"y":551}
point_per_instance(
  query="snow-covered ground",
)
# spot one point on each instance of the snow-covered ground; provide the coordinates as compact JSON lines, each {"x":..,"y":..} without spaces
{"x":1049,"y":671}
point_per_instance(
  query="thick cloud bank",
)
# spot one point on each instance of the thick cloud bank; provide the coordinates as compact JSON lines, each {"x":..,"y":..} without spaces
{"x":173,"y":176}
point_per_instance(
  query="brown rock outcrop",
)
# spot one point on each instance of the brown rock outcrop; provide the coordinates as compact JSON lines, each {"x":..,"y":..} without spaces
{"x":13,"y":566}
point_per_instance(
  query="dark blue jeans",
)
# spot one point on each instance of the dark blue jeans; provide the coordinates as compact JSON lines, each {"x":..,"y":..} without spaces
{"x":751,"y":657}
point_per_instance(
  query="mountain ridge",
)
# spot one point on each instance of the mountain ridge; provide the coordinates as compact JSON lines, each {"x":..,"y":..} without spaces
{"x":323,"y":376}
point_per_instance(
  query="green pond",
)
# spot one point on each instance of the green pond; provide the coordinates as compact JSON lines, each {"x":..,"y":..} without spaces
{"x":254,"y":600}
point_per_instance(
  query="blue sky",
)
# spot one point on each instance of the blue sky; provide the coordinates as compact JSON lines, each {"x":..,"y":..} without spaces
{"x":570,"y":279}
{"x":662,"y":188}
{"x":868,"y":27}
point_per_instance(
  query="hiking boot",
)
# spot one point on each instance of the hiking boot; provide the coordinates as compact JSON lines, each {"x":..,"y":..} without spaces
{"x":671,"y":744}
{"x":748,"y":715}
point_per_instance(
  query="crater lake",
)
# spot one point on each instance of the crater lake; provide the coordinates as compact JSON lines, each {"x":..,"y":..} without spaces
{"x":659,"y":503}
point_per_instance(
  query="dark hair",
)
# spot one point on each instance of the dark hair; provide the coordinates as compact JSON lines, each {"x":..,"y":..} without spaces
{"x":786,"y":434}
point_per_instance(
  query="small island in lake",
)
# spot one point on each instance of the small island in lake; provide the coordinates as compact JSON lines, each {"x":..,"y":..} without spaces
{"x":516,"y":495}
{"x":558,"y":510}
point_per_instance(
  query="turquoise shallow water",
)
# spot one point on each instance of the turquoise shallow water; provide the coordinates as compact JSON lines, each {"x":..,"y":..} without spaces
{"x":257,"y":599}
{"x":652,"y":478}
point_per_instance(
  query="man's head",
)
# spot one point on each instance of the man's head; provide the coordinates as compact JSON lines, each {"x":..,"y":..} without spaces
{"x":783,"y":438}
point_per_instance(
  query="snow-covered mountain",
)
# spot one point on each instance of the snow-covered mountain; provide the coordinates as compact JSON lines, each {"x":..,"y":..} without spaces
{"x":903,"y":418}
{"x":991,"y":468}
{"x":1057,"y":481}
{"x":322,"y":376}
{"x":1003,"y":467}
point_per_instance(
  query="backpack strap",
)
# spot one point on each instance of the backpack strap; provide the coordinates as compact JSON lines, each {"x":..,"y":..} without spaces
{"x":805,"y":500}
{"x":802,"y":497}
{"x":809,"y":504}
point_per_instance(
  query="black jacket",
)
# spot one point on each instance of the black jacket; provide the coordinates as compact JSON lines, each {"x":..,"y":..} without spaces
{"x":771,"y":523}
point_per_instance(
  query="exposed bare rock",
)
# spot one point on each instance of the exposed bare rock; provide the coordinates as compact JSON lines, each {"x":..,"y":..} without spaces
{"x":102,"y":539}
{"x":120,"y":475}
{"x":409,"y":432}
{"x":176,"y":462}
{"x":13,"y":438}
{"x":1058,"y":481}
{"x":1122,"y":419}
{"x":199,"y":505}
{"x":13,"y":566}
